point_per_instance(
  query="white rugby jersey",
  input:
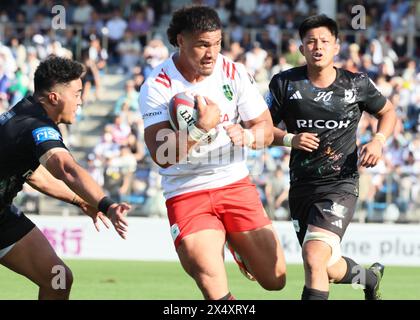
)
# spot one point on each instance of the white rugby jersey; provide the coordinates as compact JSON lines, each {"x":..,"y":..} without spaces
{"x":209,"y":165}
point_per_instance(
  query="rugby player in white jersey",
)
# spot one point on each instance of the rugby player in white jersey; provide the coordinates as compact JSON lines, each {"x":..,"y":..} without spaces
{"x":209,"y":196}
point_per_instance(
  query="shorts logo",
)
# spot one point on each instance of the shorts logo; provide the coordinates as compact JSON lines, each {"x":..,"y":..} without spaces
{"x":175,"y":231}
{"x":337,"y":210}
{"x":46,"y":134}
{"x":338,"y":224}
{"x":296,"y":225}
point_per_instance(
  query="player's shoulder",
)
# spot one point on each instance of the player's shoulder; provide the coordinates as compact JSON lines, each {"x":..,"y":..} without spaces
{"x":292,"y":74}
{"x":160,"y":77}
{"x":228,"y":68}
{"x":351,"y":76}
{"x":28,"y":111}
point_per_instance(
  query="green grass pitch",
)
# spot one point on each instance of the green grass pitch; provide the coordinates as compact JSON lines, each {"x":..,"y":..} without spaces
{"x":97,"y":279}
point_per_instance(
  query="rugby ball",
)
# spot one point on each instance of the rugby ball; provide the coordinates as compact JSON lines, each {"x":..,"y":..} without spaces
{"x":182,"y":110}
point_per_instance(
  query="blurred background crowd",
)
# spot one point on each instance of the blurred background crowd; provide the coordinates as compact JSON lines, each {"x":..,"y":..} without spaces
{"x":128,"y":39}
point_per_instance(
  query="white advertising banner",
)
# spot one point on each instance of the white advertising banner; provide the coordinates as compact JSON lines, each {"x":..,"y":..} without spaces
{"x":150,"y":239}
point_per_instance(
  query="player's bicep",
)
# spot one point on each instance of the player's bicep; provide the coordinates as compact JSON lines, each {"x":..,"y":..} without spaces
{"x":250,"y":102}
{"x":388,"y":107}
{"x":373,"y":100}
{"x":60,"y":163}
{"x":263,"y":118}
{"x":274,"y":100}
{"x":43,"y":159}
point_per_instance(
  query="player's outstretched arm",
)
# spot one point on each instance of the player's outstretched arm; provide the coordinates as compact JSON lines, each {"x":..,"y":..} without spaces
{"x":371,"y":152}
{"x":63,"y":167}
{"x":43,"y":181}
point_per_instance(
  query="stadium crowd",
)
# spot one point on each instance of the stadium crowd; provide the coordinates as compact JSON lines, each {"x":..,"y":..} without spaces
{"x":124,"y":37}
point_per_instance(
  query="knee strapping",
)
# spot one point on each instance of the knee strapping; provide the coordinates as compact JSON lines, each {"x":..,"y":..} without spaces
{"x":332,"y":241}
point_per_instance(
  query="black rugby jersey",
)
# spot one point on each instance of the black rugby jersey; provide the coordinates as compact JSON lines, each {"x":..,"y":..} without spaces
{"x":333,"y":113}
{"x":26,"y":133}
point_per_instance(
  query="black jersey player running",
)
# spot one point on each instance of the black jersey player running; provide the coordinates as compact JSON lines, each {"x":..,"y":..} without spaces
{"x":32,"y":151}
{"x":321,"y":106}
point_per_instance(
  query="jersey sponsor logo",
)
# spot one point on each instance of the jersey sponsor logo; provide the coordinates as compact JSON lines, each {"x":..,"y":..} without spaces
{"x":152,"y":114}
{"x":322,"y":124}
{"x":163,"y":78}
{"x":296,"y":96}
{"x":349,"y":95}
{"x":6,"y":117}
{"x":229,"y":69}
{"x":227,"y":90}
{"x":46,"y":134}
{"x":325,"y":96}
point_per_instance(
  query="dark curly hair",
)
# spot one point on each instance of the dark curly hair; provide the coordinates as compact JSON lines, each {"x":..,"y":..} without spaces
{"x":55,"y":70}
{"x":318,"y":21}
{"x":192,"y":19}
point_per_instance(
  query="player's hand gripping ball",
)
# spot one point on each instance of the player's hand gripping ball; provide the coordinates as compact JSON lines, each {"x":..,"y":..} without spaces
{"x":183,"y":112}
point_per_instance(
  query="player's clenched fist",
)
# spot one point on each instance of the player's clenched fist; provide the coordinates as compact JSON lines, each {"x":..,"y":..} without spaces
{"x":237,"y":135}
{"x":208,"y":114}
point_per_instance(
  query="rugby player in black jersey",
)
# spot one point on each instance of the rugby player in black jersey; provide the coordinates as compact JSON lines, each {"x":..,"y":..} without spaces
{"x":32,"y":151}
{"x":321,"y":106}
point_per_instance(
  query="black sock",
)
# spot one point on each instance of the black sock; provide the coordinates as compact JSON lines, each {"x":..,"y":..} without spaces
{"x":354,"y":271}
{"x":228,"y":297}
{"x":314,"y":294}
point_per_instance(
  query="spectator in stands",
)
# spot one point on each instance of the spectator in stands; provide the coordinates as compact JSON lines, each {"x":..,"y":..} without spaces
{"x":97,"y":54}
{"x":140,"y":26}
{"x":94,"y":25}
{"x":106,"y":148}
{"x":293,"y":56}
{"x":255,"y":58}
{"x":120,"y":131}
{"x":90,"y":79}
{"x":130,"y":98}
{"x":127,"y":164}
{"x":129,"y":49}
{"x":18,"y":87}
{"x":82,"y":12}
{"x":116,"y":27}
{"x":154,"y":54}
{"x":276,"y":193}
{"x":246,"y":10}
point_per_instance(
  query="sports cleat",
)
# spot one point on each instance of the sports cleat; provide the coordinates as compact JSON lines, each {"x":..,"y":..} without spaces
{"x":242,"y":267}
{"x":374,"y":294}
